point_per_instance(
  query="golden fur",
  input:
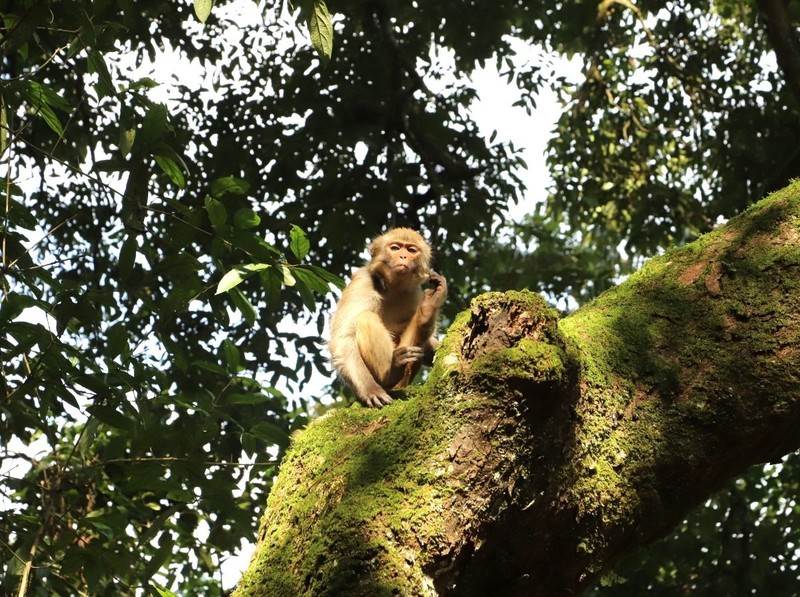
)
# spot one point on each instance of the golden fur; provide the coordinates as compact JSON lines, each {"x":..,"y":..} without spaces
{"x":383,"y":326}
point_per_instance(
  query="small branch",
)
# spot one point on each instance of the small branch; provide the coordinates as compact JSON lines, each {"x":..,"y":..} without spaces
{"x":25,"y":579}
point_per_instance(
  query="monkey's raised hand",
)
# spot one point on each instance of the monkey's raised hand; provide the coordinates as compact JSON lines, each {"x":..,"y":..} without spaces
{"x":432,"y":299}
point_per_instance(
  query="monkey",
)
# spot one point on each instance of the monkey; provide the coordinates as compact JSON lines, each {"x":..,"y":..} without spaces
{"x":383,"y":329}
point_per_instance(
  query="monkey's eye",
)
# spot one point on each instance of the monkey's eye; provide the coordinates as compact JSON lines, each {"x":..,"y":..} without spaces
{"x":412,"y":249}
{"x":394,"y":247}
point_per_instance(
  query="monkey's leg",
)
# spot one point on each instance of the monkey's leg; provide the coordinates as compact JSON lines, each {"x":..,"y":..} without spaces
{"x":376,"y":346}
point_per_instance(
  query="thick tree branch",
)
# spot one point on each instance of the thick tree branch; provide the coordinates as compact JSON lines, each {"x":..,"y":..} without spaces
{"x":540,"y":450}
{"x":783,"y":37}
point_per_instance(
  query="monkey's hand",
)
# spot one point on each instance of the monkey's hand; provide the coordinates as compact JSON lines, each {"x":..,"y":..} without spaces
{"x":403,"y":355}
{"x":432,"y":299}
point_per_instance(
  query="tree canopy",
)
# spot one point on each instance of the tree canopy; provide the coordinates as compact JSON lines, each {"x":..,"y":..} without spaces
{"x":161,"y":239}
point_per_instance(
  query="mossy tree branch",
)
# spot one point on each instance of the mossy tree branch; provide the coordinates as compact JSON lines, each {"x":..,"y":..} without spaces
{"x":541,"y":450}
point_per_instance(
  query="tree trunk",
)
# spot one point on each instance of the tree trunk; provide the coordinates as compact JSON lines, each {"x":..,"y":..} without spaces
{"x":542,"y":449}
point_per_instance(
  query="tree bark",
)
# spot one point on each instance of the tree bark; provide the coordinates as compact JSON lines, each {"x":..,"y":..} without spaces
{"x":782,"y":34}
{"x":541,"y":449}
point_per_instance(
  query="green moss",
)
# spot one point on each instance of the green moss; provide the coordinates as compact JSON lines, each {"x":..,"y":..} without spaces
{"x":529,"y":360}
{"x":683,"y":333}
{"x":351,"y":467}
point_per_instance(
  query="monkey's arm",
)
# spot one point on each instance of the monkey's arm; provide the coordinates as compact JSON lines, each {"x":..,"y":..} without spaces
{"x":421,"y":330}
{"x":432,"y":300}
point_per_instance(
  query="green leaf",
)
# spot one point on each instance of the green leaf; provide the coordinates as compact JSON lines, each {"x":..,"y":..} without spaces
{"x":127,"y":257}
{"x":97,"y":64}
{"x":244,"y":306}
{"x":144,"y":83}
{"x":202,"y":8}
{"x":50,"y":118}
{"x":40,"y":93}
{"x":247,"y":398}
{"x":42,"y":99}
{"x":3,"y":126}
{"x":177,"y":264}
{"x":162,"y":556}
{"x":14,"y":304}
{"x":271,"y":282}
{"x":241,"y":272}
{"x":232,"y":356}
{"x":171,"y":169}
{"x":126,"y":139}
{"x":117,"y":336}
{"x":288,"y":278}
{"x":155,"y":125}
{"x":320,"y":29}
{"x":217,"y":213}
{"x":110,"y":416}
{"x":212,"y":367}
{"x":248,"y":444}
{"x":326,"y":275}
{"x":229,"y":184}
{"x":305,"y":294}
{"x":246,"y":218}
{"x":313,"y":280}
{"x":298,"y":242}
{"x":270,"y":433}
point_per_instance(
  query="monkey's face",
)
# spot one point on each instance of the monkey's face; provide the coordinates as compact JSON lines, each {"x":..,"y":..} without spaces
{"x":400,"y":257}
{"x":404,"y":258}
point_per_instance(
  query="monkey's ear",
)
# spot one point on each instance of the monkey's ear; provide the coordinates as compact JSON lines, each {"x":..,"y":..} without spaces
{"x":375,"y":248}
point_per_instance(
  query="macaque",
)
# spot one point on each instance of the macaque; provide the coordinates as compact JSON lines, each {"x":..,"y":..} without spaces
{"x":383,"y":328}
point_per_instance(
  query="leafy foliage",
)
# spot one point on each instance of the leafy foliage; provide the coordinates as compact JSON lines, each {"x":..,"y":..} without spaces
{"x":129,"y":412}
{"x":159,"y":238}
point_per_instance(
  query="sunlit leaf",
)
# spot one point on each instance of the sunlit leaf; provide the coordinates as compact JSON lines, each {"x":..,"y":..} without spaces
{"x":126,"y":139}
{"x":299,"y":243}
{"x":202,"y":8}
{"x":288,"y":278}
{"x":232,"y":279}
{"x":320,"y":29}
